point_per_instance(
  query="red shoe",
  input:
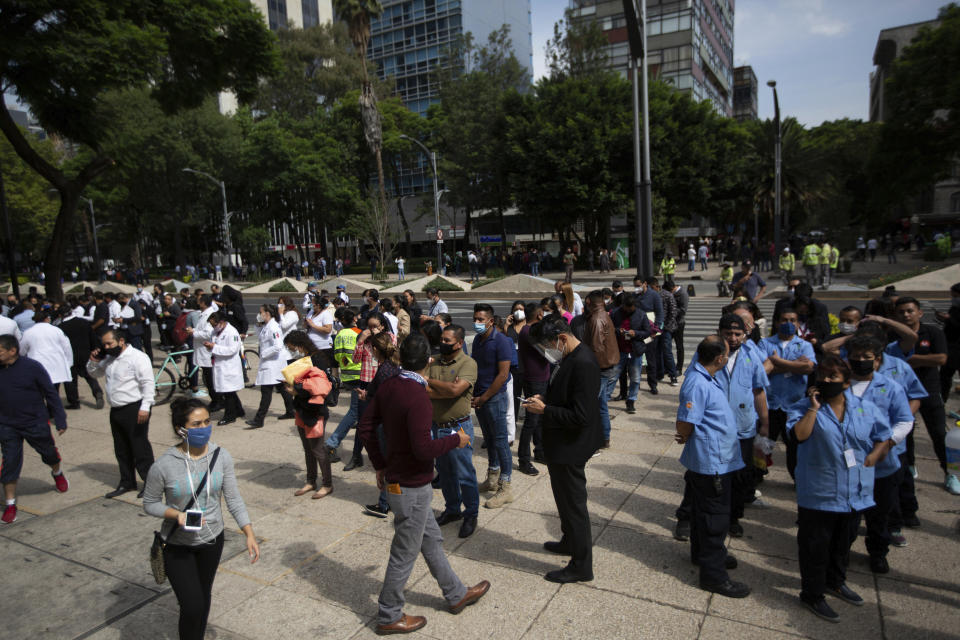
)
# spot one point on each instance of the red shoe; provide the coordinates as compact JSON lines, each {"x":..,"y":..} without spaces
{"x":9,"y":514}
{"x":61,"y":482}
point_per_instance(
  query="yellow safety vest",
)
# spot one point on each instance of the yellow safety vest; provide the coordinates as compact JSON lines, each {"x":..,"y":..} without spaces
{"x":811,"y":254}
{"x":834,"y":257}
{"x":825,"y":254}
{"x":668,"y":266}
{"x":787,"y":262}
{"x":727,"y":274}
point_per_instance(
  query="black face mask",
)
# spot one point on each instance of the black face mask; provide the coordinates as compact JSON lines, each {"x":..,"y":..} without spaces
{"x":829,"y":390}
{"x":861,"y":367}
{"x":114,"y":351}
{"x":446,"y":349}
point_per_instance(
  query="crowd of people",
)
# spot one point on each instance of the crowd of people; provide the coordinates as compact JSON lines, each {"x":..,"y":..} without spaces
{"x":543,"y":377}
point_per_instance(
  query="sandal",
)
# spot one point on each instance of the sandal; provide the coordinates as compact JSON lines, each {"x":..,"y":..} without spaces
{"x":322,"y":493}
{"x":307,"y":488}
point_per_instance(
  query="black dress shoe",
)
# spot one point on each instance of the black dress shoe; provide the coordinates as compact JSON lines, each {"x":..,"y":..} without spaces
{"x":879,"y":564}
{"x":119,"y":491}
{"x":99,"y":400}
{"x":736,"y":530}
{"x":334,"y":454}
{"x":682,"y":530}
{"x":653,"y":391}
{"x":287,"y":416}
{"x":619,"y":398}
{"x":559,"y":548}
{"x":539,"y":457}
{"x":468,"y":527}
{"x":214,"y":407}
{"x":846,"y":594}
{"x":140,"y":493}
{"x":353,"y":464}
{"x":223,"y":421}
{"x":72,"y":405}
{"x":528,"y":469}
{"x":821,"y":609}
{"x":729,"y":563}
{"x":567,"y":575}
{"x":447,"y":518}
{"x":730,"y":589}
{"x":255,"y":424}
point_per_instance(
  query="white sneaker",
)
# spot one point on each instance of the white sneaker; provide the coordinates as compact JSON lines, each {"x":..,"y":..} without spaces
{"x":201,"y":393}
{"x":914,"y":472}
{"x":952,"y":484}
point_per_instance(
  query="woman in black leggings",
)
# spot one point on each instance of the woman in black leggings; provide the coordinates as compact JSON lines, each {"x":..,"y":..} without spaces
{"x":191,"y":557}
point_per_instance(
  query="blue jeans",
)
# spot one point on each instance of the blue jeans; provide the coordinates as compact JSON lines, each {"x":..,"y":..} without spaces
{"x":458,"y":478}
{"x":608,"y":382}
{"x":350,"y":419}
{"x":400,"y":274}
{"x":633,"y":364}
{"x":493,"y":424}
{"x":691,"y":265}
{"x":668,"y":365}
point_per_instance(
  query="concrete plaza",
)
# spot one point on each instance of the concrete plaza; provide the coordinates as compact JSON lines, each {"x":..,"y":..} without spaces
{"x":75,"y":565}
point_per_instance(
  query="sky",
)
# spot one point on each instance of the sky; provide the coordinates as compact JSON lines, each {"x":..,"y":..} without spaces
{"x":820,"y":52}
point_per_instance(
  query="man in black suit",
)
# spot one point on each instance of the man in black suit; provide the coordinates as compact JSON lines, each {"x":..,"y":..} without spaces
{"x":572,"y":433}
{"x":83,"y":339}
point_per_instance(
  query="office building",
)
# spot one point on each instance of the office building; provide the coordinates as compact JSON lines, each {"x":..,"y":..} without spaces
{"x":938,"y":204}
{"x":744,"y":93}
{"x":689,"y":43}
{"x":409,"y":38}
{"x":299,"y":13}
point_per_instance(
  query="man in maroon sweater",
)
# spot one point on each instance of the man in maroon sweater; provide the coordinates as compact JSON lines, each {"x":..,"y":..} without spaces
{"x":403,"y":407}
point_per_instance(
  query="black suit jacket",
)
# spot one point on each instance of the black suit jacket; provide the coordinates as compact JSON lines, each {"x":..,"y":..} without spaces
{"x":572,"y":432}
{"x":82,"y":339}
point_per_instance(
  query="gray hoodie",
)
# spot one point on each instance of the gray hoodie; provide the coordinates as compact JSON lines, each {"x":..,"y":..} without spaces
{"x":168,"y":486}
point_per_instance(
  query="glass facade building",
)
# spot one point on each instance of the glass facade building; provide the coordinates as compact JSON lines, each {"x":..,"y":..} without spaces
{"x":689,"y":42}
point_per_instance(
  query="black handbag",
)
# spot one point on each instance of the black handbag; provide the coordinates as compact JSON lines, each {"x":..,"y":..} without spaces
{"x":156,"y":549}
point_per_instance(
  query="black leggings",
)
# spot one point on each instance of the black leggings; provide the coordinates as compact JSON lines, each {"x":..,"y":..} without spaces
{"x":191,"y":571}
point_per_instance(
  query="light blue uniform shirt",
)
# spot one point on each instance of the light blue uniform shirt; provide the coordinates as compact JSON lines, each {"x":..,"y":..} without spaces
{"x":891,"y":400}
{"x":748,"y":374}
{"x":713,"y":447}
{"x":902,"y":373}
{"x":787,"y":388}
{"x":824,"y":481}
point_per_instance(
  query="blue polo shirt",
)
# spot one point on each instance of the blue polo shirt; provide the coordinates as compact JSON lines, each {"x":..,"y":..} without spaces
{"x":902,"y":373}
{"x":488,"y":351}
{"x":786,"y":388}
{"x":713,"y":447}
{"x":891,"y":400}
{"x":824,"y":481}
{"x":738,"y":386}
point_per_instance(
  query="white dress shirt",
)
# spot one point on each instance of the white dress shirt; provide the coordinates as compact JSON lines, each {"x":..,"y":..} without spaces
{"x":9,"y":327}
{"x":49,"y":346}
{"x":129,"y":378}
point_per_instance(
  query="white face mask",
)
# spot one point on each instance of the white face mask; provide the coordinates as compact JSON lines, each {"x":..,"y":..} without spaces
{"x":518,"y":315}
{"x":846,"y":328}
{"x":261,"y":319}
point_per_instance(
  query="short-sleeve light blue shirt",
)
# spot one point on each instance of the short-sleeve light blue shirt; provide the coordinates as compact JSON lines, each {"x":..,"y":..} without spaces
{"x":787,"y":388}
{"x":713,"y":447}
{"x":892,"y":400}
{"x":748,"y":374}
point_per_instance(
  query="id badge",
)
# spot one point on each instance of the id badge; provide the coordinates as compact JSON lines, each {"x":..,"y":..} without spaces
{"x":850,"y":458}
{"x":394,"y":488}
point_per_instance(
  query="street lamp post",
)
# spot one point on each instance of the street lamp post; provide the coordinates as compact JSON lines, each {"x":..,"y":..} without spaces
{"x":778,"y":150}
{"x":226,"y":215}
{"x":436,"y":195}
{"x":93,"y":225}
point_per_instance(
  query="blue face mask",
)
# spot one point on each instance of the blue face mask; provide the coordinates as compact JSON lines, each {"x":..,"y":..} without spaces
{"x":480,"y":327}
{"x":787,"y":329}
{"x":199,"y":436}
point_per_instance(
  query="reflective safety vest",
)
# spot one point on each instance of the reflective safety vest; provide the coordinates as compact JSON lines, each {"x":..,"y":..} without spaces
{"x":787,"y":262}
{"x":668,"y":266}
{"x":834,"y":257}
{"x":825,"y":253}
{"x":811,"y":255}
{"x":727,"y":274}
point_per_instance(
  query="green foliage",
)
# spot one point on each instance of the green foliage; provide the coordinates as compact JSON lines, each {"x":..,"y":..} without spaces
{"x":31,"y":207}
{"x":441,"y":284}
{"x":253,"y":241}
{"x":578,"y":48}
{"x":890,"y":278}
{"x":283,"y":286}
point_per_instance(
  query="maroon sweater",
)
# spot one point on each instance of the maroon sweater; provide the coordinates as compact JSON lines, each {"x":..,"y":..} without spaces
{"x":403,"y":407}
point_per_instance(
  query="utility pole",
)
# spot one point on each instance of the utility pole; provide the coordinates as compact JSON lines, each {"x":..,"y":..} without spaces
{"x":778,"y":159}
{"x":636,"y":32}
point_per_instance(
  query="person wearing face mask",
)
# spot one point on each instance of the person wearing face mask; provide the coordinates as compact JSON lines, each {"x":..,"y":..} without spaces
{"x":793,"y":360}
{"x":225,"y":347}
{"x":273,"y":358}
{"x":744,"y":381}
{"x":851,"y":318}
{"x":890,"y":397}
{"x":202,"y":332}
{"x":450,"y":386}
{"x":841,"y":438}
{"x":951,"y":331}
{"x":634,"y":331}
{"x":130,"y":391}
{"x":572,"y":433}
{"x":707,"y":429}
{"x":536,"y":375}
{"x":493,"y":353}
{"x":200,"y":474}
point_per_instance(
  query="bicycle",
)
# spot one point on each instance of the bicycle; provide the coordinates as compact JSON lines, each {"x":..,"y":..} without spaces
{"x":251,"y":362}
{"x":170,"y":380}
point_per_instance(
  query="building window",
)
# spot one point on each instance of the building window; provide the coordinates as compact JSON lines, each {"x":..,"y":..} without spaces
{"x":955,"y":202}
{"x":311,"y":13}
{"x":277,"y":14}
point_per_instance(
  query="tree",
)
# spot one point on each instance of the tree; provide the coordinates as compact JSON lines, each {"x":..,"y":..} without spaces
{"x":373,"y":225}
{"x":921,"y":136}
{"x":847,"y":148}
{"x":62,"y":58}
{"x":358,"y":14}
{"x":30,"y":208}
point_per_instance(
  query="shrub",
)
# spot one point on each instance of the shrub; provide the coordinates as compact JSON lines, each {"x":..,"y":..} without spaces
{"x":283,"y":286}
{"x":441,"y":285}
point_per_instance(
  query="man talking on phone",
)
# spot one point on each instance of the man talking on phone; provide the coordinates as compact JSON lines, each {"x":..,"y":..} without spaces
{"x":572,"y":433}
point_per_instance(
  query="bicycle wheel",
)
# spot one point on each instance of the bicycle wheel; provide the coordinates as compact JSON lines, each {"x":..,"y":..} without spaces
{"x":166,"y":384}
{"x":251,"y":359}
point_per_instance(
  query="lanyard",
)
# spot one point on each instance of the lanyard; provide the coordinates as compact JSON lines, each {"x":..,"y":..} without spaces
{"x":193,"y":492}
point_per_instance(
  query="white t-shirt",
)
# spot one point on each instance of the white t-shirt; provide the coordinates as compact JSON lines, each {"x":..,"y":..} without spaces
{"x":392,"y":319}
{"x":324,"y":318}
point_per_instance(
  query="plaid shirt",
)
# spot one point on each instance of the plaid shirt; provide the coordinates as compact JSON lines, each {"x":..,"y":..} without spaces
{"x":363,"y":353}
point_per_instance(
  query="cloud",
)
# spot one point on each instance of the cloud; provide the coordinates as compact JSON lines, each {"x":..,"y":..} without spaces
{"x":822,"y":26}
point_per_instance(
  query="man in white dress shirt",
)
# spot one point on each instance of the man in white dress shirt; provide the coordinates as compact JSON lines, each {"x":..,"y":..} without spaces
{"x":49,"y":346}
{"x":130,"y":390}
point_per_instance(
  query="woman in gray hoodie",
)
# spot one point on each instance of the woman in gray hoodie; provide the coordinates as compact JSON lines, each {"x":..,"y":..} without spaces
{"x":191,"y":557}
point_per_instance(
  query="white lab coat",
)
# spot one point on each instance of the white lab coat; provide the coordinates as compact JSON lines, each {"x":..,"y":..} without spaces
{"x":203,"y":332}
{"x":49,"y":346}
{"x":288,"y":322}
{"x":9,"y":327}
{"x":273,"y":356}
{"x":227,"y":366}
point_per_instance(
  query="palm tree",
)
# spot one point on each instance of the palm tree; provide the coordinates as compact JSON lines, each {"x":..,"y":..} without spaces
{"x":357,"y":15}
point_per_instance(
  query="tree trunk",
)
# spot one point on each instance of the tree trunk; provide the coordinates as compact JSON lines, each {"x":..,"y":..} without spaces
{"x":408,"y":243}
{"x":503,"y":229}
{"x":56,"y":251}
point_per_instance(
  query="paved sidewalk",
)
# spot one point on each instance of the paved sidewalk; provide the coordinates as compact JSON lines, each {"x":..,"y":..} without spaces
{"x":75,"y":565}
